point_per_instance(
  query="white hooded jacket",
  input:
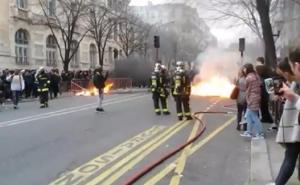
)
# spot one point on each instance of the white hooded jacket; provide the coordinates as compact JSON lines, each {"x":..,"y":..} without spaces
{"x":17,"y":82}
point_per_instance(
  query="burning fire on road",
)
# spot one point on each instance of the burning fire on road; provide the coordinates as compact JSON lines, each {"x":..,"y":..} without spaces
{"x":215,"y":86}
{"x":94,"y":91}
{"x":217,"y":69}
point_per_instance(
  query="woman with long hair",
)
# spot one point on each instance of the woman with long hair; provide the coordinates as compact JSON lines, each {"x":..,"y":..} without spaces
{"x":253,"y":98}
{"x":241,"y":99}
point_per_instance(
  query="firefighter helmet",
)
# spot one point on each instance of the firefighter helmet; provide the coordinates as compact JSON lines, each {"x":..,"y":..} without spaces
{"x":157,"y":67}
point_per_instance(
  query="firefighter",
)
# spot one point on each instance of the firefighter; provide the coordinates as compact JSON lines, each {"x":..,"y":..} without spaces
{"x":159,"y":90}
{"x":43,"y":82}
{"x":181,"y":90}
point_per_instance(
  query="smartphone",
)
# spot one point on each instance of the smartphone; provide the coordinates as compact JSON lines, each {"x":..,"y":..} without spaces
{"x":273,"y":85}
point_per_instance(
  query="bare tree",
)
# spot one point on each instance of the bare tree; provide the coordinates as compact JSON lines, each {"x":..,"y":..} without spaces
{"x":256,"y":14}
{"x":263,"y":8}
{"x":101,"y":22}
{"x":66,"y":23}
{"x":133,"y":33}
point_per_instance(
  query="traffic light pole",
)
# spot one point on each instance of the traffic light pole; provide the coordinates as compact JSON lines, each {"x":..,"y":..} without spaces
{"x":157,"y":55}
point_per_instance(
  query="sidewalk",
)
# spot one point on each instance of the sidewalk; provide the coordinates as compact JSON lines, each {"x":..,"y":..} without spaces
{"x":266,"y":160}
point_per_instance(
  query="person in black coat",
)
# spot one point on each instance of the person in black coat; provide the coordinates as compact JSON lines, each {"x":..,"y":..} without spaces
{"x":54,"y":84}
{"x":28,"y":83}
{"x":99,"y":80}
{"x":264,"y":72}
{"x":2,"y":89}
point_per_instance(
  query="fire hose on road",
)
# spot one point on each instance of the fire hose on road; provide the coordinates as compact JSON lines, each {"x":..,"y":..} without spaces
{"x":173,"y":152}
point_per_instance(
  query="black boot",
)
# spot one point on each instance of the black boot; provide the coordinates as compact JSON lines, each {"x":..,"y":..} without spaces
{"x":167,"y":113}
{"x":180,"y":118}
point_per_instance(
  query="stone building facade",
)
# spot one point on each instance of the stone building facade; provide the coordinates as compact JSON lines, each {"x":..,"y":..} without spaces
{"x":288,"y":23}
{"x":26,"y":44}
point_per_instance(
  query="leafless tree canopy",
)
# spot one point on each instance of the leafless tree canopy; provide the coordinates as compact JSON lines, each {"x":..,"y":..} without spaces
{"x":102,"y":21}
{"x":67,"y":25}
{"x":133,"y":33}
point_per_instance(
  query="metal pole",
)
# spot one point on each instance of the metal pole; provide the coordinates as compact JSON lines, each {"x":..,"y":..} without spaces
{"x":157,"y":53}
{"x":242,"y":58}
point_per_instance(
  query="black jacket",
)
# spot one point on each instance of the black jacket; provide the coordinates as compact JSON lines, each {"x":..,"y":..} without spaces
{"x":99,"y":80}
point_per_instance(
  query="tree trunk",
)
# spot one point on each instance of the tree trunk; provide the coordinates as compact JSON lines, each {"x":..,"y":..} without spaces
{"x":100,"y":57}
{"x":66,"y":66}
{"x":270,"y":50}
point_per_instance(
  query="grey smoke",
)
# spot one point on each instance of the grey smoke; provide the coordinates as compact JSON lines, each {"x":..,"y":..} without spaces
{"x":218,"y":62}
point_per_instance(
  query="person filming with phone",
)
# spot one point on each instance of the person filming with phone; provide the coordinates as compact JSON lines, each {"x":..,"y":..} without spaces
{"x":289,"y":129}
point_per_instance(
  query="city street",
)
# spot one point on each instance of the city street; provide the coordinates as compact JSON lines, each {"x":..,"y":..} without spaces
{"x":70,"y":143}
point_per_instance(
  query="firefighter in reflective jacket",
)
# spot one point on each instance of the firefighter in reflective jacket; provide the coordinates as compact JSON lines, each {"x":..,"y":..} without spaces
{"x":159,"y":91}
{"x":181,"y":90}
{"x":43,"y":82}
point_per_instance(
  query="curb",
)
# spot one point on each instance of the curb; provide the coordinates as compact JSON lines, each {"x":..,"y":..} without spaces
{"x":260,"y":170}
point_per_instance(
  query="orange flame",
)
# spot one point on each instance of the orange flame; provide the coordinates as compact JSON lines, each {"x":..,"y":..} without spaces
{"x":108,"y":87}
{"x":215,"y":86}
{"x":94,"y":91}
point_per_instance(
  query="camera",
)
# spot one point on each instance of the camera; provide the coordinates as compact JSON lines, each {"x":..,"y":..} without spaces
{"x":273,"y":85}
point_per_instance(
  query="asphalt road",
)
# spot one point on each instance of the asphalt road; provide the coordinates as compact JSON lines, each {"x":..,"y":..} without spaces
{"x":70,"y":143}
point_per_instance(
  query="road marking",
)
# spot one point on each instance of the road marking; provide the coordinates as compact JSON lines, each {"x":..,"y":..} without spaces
{"x":92,"y":167}
{"x":119,"y":169}
{"x":169,"y":168}
{"x":59,"y":111}
{"x":183,"y":157}
{"x":65,"y":112}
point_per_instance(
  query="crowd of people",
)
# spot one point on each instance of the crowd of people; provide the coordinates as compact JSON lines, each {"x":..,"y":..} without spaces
{"x":22,"y":84}
{"x":257,"y":87}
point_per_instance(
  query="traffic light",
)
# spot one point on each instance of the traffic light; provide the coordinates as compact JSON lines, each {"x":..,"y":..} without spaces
{"x":156,"y":41}
{"x":242,"y":45}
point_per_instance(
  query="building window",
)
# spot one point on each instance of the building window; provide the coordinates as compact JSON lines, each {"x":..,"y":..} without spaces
{"x":75,"y":58}
{"x":22,"y":47}
{"x":110,"y":55}
{"x":115,"y":31}
{"x":116,"y":54}
{"x":93,"y":52}
{"x":22,"y":4}
{"x":51,"y":51}
{"x":51,"y":7}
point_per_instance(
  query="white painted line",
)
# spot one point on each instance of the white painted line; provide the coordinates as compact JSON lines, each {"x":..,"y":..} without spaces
{"x":65,"y":112}
{"x":61,"y":110}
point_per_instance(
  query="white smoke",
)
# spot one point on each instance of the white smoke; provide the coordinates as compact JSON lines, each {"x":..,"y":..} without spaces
{"x":217,"y":62}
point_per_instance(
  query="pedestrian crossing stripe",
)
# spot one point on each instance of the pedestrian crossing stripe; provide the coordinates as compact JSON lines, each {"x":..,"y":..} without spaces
{"x":92,"y":168}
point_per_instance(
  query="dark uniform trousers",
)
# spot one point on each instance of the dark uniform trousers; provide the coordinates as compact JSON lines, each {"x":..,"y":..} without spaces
{"x":182,"y":101}
{"x":159,"y":98}
{"x":44,"y":97}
